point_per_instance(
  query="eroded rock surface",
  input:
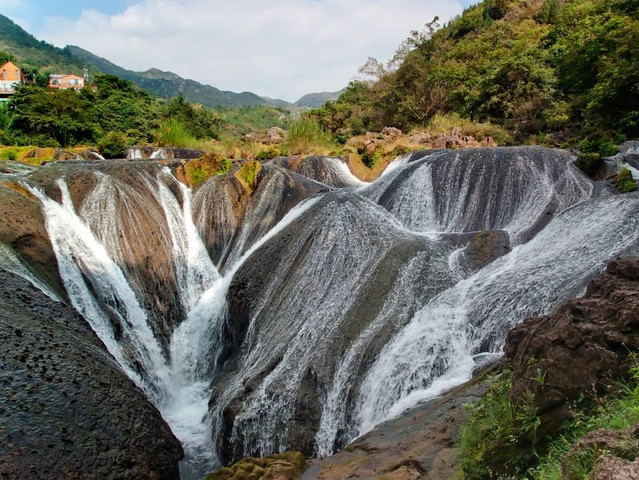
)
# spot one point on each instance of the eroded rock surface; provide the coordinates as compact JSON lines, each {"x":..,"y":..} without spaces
{"x":577,"y":350}
{"x":419,"y":444}
{"x":68,"y":411}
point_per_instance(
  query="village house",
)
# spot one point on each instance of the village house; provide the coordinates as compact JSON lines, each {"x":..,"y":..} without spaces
{"x":10,"y":76}
{"x":64,"y":82}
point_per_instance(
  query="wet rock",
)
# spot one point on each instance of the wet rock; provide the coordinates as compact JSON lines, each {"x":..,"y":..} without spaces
{"x":483,"y":248}
{"x":418,"y":444}
{"x":275,"y":315}
{"x":22,"y":229}
{"x":593,"y":335}
{"x":68,"y":411}
{"x":162,"y":153}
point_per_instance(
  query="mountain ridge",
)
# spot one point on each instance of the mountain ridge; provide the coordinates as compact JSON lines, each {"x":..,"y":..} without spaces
{"x":33,"y":54}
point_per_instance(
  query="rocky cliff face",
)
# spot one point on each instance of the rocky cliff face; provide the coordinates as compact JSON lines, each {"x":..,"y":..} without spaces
{"x":68,"y":410}
{"x":580,"y":349}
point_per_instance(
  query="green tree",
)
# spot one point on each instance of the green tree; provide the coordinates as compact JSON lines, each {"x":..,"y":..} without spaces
{"x":200,"y":122}
{"x":61,"y":117}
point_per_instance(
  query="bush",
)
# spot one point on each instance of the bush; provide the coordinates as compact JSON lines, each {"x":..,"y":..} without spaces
{"x":307,"y":136}
{"x":173,"y":133}
{"x":624,"y":181}
{"x":371,"y":159}
{"x":499,"y":437}
{"x":113,"y":145}
{"x":589,"y":163}
{"x":267,"y":154}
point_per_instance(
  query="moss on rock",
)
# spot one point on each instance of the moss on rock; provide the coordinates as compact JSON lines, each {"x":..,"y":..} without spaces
{"x":283,"y":466}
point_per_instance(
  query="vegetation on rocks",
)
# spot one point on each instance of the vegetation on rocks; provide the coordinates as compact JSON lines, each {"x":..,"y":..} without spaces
{"x":499,"y":441}
{"x":539,"y":420}
{"x":624,"y":181}
{"x":284,"y":466}
{"x":249,"y":172}
{"x":500,"y":435}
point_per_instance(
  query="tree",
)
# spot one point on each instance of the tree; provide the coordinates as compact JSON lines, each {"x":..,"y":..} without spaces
{"x":62,"y":117}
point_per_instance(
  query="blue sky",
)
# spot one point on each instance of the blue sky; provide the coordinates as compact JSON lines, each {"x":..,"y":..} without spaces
{"x":291,"y":48}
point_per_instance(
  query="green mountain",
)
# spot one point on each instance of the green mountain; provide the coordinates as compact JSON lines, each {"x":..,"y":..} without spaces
{"x":32,"y":54}
{"x":317,"y":100}
{"x":549,"y":71}
{"x":168,"y":84}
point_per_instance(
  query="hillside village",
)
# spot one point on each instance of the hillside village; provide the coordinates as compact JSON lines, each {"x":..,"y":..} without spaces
{"x":11,"y":76}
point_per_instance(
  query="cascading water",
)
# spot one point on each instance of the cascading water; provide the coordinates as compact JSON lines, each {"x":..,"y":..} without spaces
{"x":256,"y":325}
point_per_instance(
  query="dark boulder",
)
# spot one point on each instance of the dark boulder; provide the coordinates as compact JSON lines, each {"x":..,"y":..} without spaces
{"x":576,"y":351}
{"x":68,"y":411}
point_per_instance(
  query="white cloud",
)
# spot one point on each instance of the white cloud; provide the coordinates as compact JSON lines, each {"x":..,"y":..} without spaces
{"x":281,"y":48}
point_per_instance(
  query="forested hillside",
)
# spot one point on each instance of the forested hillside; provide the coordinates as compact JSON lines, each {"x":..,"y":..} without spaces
{"x":548,"y":71}
{"x":35,"y":56}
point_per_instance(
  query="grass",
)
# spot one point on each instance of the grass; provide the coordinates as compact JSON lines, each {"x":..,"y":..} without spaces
{"x":624,"y":181}
{"x":498,"y":441}
{"x":441,"y":124}
{"x":618,"y":413}
{"x":306,"y":137}
{"x":172,"y":133}
{"x":500,"y":433}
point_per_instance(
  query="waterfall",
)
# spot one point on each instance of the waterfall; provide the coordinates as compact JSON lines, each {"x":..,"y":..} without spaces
{"x":302,"y":313}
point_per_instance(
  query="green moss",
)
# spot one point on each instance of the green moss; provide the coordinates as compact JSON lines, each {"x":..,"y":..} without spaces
{"x":225,"y":166}
{"x":624,"y":181}
{"x":249,"y":172}
{"x":284,"y":466}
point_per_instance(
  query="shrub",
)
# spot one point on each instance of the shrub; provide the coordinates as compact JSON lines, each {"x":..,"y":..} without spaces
{"x":589,"y":163}
{"x":113,"y":145}
{"x":307,"y":136}
{"x":371,"y":159}
{"x":267,"y":154}
{"x":173,"y":133}
{"x":500,"y":435}
{"x":624,"y":181}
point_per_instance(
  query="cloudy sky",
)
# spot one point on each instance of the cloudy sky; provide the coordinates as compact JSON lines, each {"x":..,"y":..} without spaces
{"x":276,"y":48}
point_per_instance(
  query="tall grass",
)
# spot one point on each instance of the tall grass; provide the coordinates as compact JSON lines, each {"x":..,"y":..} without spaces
{"x":306,"y":136}
{"x":173,"y":133}
{"x":498,"y":441}
{"x":619,"y":413}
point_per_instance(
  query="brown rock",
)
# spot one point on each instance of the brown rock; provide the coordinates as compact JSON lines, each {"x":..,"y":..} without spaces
{"x":391,"y":132}
{"x":593,"y":335}
{"x":614,"y":468}
{"x":619,"y":443}
{"x":419,"y":444}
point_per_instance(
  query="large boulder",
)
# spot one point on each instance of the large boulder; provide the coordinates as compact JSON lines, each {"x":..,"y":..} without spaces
{"x":68,"y":410}
{"x":576,"y":351}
